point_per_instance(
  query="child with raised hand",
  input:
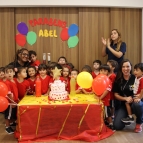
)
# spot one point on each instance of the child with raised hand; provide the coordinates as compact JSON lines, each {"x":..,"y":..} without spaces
{"x":96,"y":65}
{"x":22,"y":84}
{"x":2,"y":71}
{"x":105,"y":97}
{"x":65,"y":75}
{"x":74,"y":74}
{"x":33,"y":58}
{"x":113,"y":65}
{"x":88,"y":69}
{"x":32,"y":74}
{"x":10,"y":112}
{"x":138,"y":91}
{"x":42,"y":69}
{"x":62,"y":61}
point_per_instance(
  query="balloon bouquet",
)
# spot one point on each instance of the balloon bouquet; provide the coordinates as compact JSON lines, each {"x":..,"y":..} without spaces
{"x":98,"y":84}
{"x":3,"y":100}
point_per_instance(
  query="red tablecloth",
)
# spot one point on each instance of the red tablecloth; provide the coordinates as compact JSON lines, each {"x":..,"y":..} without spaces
{"x":69,"y":121}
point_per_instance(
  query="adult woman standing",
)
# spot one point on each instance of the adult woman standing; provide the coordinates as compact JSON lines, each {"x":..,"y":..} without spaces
{"x":21,"y":58}
{"x":114,"y":47}
{"x":123,"y":91}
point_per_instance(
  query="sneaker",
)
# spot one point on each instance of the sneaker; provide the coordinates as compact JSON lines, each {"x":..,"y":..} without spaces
{"x":128,"y":120}
{"x":9,"y":130}
{"x":13,"y":124}
{"x":138,"y":128}
{"x":127,"y":124}
{"x":112,"y":127}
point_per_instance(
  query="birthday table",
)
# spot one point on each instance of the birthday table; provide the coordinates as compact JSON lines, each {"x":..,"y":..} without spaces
{"x":80,"y":118}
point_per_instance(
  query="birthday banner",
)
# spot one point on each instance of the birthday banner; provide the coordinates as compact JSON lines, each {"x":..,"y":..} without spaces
{"x":68,"y":34}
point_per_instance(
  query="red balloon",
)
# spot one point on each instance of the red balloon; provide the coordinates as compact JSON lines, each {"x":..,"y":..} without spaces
{"x":106,"y":78}
{"x":3,"y":104}
{"x":20,"y":39}
{"x":3,"y":89}
{"x":64,"y":34}
{"x":100,"y":83}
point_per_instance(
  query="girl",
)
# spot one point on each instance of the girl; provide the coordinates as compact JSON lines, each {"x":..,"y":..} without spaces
{"x":42,"y":69}
{"x":22,"y":84}
{"x":87,"y":68}
{"x":32,"y":74}
{"x":65,"y":74}
{"x":113,"y":65}
{"x":114,"y":47}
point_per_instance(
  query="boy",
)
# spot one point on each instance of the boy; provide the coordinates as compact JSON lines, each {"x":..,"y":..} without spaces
{"x":138,"y":90}
{"x":62,"y":61}
{"x":96,"y":65}
{"x":33,"y":58}
{"x":10,"y":112}
{"x":105,"y":69}
{"x":74,"y":74}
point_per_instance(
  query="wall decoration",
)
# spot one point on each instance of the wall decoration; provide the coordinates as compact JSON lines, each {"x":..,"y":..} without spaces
{"x":67,"y":34}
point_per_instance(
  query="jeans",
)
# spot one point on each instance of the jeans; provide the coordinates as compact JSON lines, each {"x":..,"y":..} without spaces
{"x":137,"y":109}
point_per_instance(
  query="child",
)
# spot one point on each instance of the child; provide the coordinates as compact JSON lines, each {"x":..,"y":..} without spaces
{"x":32,"y":74}
{"x":33,"y":58}
{"x":65,"y":74}
{"x":96,"y":65}
{"x":22,"y":84}
{"x":105,"y":69}
{"x":138,"y":89}
{"x":2,"y":70}
{"x":74,"y":74}
{"x":87,"y":68}
{"x":62,"y":61}
{"x":42,"y":69}
{"x":10,"y":112}
{"x":113,"y":65}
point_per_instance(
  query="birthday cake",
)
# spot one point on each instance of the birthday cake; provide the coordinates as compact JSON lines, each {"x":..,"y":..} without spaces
{"x":58,"y":91}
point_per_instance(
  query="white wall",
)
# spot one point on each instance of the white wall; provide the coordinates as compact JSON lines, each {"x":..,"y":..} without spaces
{"x":71,"y":3}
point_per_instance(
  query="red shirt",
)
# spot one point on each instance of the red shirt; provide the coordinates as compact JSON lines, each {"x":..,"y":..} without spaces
{"x":32,"y":86}
{"x":67,"y":82}
{"x":12,"y":89}
{"x":23,"y":87}
{"x":94,"y":75}
{"x":44,"y":84}
{"x":140,"y":86}
{"x":36,"y":63}
{"x":106,"y":99}
{"x":112,"y":79}
{"x":77,"y":87}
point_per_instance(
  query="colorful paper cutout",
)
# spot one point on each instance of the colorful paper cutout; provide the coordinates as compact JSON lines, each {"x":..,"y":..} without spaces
{"x":73,"y":30}
{"x":20,"y":39}
{"x":64,"y":34}
{"x":22,"y":28}
{"x":73,"y":41}
{"x":31,"y":37}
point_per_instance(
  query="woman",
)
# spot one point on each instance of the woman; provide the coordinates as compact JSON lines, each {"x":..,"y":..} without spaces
{"x":114,"y":47}
{"x":21,"y":58}
{"x":123,"y":91}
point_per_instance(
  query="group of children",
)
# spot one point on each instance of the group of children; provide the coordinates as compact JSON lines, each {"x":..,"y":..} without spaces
{"x":21,"y":81}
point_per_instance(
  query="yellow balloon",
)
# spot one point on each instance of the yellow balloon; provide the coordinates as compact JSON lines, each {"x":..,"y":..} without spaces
{"x":84,"y":79}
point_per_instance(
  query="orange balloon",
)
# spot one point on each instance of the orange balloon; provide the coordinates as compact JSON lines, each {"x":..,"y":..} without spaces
{"x":3,"y":89}
{"x":3,"y":104}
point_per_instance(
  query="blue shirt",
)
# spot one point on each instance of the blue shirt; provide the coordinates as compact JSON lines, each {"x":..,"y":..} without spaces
{"x":113,"y":57}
